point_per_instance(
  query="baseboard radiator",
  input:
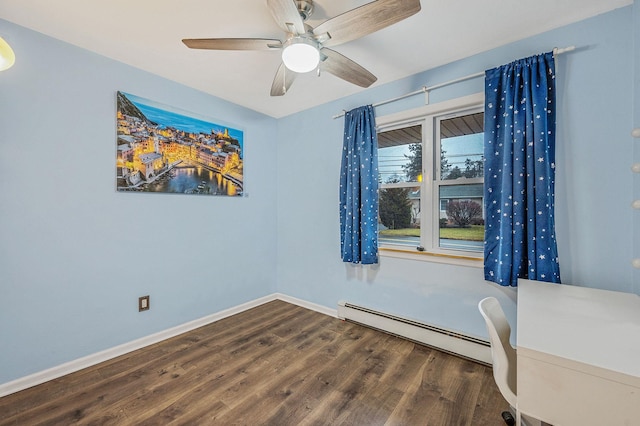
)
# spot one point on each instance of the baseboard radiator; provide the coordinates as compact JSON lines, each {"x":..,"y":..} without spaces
{"x":429,"y":335}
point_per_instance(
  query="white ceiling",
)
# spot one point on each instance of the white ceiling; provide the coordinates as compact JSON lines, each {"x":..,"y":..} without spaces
{"x":147,"y":34}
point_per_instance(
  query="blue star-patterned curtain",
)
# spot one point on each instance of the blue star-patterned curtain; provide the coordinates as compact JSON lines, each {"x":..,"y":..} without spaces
{"x":359,"y":188}
{"x":519,"y":173}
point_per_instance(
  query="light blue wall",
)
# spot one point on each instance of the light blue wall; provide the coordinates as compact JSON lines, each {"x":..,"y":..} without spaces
{"x":75,"y":255}
{"x":594,"y":221}
{"x":636,"y":142}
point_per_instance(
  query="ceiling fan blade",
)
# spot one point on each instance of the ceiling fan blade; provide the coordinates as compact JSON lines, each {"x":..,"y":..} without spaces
{"x":343,"y":67}
{"x":286,"y":15}
{"x":282,"y":81}
{"x":364,"y":20}
{"x":232,"y":43}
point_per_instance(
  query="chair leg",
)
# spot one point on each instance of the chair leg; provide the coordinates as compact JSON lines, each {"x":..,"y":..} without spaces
{"x":508,"y":418}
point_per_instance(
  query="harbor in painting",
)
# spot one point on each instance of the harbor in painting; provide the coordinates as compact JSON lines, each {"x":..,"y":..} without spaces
{"x":159,"y":150}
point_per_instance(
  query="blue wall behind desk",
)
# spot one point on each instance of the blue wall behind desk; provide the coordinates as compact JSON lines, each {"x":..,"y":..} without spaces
{"x":594,"y":184}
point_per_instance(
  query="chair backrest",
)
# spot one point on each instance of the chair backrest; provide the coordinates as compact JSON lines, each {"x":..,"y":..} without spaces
{"x":502,"y":353}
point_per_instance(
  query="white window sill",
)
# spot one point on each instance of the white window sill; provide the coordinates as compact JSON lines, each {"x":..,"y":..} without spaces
{"x":471,"y":260}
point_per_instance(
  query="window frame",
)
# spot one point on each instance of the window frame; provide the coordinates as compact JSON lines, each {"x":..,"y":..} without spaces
{"x":429,"y":117}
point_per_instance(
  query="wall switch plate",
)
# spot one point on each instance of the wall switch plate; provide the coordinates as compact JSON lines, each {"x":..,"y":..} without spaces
{"x":143,"y":303}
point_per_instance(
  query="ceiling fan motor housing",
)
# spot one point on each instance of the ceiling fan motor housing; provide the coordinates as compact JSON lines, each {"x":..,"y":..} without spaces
{"x":305,"y":7}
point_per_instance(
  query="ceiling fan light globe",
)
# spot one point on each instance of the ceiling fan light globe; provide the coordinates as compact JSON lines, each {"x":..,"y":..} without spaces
{"x":301,"y":56}
{"x":7,"y":57}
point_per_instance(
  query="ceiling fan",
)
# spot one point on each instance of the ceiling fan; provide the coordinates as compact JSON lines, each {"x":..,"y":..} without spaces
{"x":306,"y":49}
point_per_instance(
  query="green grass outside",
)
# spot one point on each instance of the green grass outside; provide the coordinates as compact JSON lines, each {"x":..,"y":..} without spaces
{"x":406,"y":232}
{"x":473,"y":233}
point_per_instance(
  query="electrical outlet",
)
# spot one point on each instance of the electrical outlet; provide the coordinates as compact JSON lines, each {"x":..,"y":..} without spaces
{"x":143,"y":303}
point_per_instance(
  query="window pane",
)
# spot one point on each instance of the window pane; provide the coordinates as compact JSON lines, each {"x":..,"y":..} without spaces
{"x":461,"y":147}
{"x":461,"y":220}
{"x":400,"y":155}
{"x":399,"y":219}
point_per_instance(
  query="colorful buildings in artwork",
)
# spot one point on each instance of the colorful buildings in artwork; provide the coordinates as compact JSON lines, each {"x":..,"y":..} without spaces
{"x":146,"y":151}
{"x":151,"y":165}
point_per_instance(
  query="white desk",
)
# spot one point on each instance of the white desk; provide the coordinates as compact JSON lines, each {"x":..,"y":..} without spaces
{"x":578,"y":355}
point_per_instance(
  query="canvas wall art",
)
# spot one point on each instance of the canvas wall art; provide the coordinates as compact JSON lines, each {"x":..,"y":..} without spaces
{"x":161,"y":150}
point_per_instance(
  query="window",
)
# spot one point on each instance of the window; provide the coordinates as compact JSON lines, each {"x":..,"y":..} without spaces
{"x":431,"y":178}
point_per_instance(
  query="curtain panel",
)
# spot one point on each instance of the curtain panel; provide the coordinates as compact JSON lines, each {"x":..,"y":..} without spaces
{"x":519,"y":177}
{"x":359,"y":188}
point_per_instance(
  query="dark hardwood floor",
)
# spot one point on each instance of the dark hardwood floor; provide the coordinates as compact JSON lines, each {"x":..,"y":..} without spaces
{"x":276,"y":364}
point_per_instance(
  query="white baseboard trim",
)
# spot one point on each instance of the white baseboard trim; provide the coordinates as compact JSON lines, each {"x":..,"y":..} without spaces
{"x":98,"y":357}
{"x":309,"y":305}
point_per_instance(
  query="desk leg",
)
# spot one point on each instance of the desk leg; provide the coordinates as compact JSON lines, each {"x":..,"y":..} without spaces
{"x":524,"y":420}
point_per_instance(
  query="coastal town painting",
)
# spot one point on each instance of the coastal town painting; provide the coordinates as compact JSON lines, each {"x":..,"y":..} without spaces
{"x":161,"y":150}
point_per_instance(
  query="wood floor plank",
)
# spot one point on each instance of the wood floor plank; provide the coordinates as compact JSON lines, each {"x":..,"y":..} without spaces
{"x":231,"y":390}
{"x":485,"y":409}
{"x":436,"y":379}
{"x":356,"y":366}
{"x":255,"y":393}
{"x":316,"y":379}
{"x":52,"y":390}
{"x":261,"y":347}
{"x":132,"y":371}
{"x":276,"y":364}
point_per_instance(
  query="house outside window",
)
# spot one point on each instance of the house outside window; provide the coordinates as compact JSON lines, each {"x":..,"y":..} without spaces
{"x":431,"y":179}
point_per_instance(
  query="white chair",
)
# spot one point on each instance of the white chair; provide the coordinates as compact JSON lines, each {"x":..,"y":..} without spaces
{"x":504,"y":360}
{"x":502,"y":353}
